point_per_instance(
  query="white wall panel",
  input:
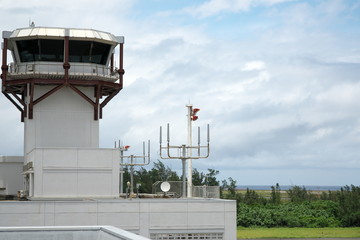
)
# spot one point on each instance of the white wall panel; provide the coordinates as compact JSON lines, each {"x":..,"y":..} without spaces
{"x":75,"y":172}
{"x":63,"y":119}
{"x":143,"y":216}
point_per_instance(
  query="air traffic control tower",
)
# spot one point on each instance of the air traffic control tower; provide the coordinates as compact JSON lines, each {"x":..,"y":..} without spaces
{"x":60,"y":80}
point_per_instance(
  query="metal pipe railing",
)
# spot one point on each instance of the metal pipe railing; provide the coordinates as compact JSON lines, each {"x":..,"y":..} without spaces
{"x":54,"y":69}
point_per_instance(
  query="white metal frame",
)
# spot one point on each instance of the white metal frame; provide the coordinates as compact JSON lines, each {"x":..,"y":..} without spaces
{"x":185,"y":151}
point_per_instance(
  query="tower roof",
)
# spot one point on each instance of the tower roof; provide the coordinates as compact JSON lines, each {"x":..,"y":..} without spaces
{"x":74,"y":33}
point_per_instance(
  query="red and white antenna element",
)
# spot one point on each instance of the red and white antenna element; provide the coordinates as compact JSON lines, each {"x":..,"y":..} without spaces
{"x":193,"y":116}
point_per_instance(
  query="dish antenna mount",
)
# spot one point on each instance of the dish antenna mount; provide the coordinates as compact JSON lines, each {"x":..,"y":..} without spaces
{"x":165,"y":187}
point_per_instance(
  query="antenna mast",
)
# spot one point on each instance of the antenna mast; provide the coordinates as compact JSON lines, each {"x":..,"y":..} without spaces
{"x":185,"y":151}
{"x":132,"y":161}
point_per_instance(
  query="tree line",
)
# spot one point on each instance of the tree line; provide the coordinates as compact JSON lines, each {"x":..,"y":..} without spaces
{"x":299,"y":207}
{"x":295,"y":207}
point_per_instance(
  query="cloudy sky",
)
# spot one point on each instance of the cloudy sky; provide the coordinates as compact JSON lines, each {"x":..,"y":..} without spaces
{"x":277,"y":80}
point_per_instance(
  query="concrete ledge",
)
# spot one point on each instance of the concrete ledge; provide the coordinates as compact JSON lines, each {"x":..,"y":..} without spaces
{"x":72,"y":233}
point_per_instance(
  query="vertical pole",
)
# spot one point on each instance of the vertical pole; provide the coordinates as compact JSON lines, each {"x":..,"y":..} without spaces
{"x":66,"y":65}
{"x":132,"y":175}
{"x":189,"y":183}
{"x":144,"y":151}
{"x":184,"y":171}
{"x":168,"y":134}
{"x":121,"y":169}
{"x":149,"y":150}
{"x":198,"y":141}
{"x":27,"y":106}
{"x":31,"y":186}
{"x":4,"y":66}
{"x":112,"y":63}
{"x":183,"y":177}
{"x":160,"y":137}
{"x":121,"y":63}
{"x":121,"y":56}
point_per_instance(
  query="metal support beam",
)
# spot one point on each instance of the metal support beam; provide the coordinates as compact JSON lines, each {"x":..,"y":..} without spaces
{"x":82,"y":95}
{"x":97,"y":100}
{"x":55,"y":89}
{"x":23,"y":95}
{"x":107,"y":99}
{"x":13,"y":101}
{"x":31,"y":101}
{"x":66,"y":65}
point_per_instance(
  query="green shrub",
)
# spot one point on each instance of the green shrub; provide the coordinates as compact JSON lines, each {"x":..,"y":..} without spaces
{"x":349,"y":206}
{"x":307,"y":214}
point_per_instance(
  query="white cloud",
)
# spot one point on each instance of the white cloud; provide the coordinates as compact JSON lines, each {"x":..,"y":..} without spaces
{"x":253,"y":65}
{"x":214,"y":7}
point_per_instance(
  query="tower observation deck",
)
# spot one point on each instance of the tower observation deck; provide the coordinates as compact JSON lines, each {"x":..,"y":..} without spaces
{"x":58,"y":58}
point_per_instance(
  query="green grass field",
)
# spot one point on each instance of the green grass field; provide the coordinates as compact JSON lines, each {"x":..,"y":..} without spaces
{"x":244,"y":233}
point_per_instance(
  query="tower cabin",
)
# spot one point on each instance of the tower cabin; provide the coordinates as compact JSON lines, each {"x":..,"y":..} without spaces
{"x":60,"y":80}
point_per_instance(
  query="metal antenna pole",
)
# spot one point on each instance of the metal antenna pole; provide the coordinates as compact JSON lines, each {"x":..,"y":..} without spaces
{"x":189,"y":185}
{"x":198,"y":141}
{"x":121,"y":170}
{"x":121,"y":178}
{"x":132,"y":175}
{"x":184,"y":171}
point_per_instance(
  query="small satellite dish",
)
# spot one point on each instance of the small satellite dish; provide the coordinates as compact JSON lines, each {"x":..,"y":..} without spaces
{"x":165,"y":186}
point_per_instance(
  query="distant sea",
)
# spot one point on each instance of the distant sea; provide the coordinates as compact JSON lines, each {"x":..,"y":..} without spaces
{"x":287,"y":187}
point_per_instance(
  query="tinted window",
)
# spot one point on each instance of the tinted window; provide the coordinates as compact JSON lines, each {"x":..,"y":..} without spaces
{"x":79,"y":51}
{"x":100,"y":53}
{"x":41,"y":50}
{"x":52,"y":50}
{"x":88,"y":52}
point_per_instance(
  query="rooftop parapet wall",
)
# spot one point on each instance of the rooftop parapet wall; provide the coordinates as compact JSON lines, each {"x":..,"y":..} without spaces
{"x":147,"y":217}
